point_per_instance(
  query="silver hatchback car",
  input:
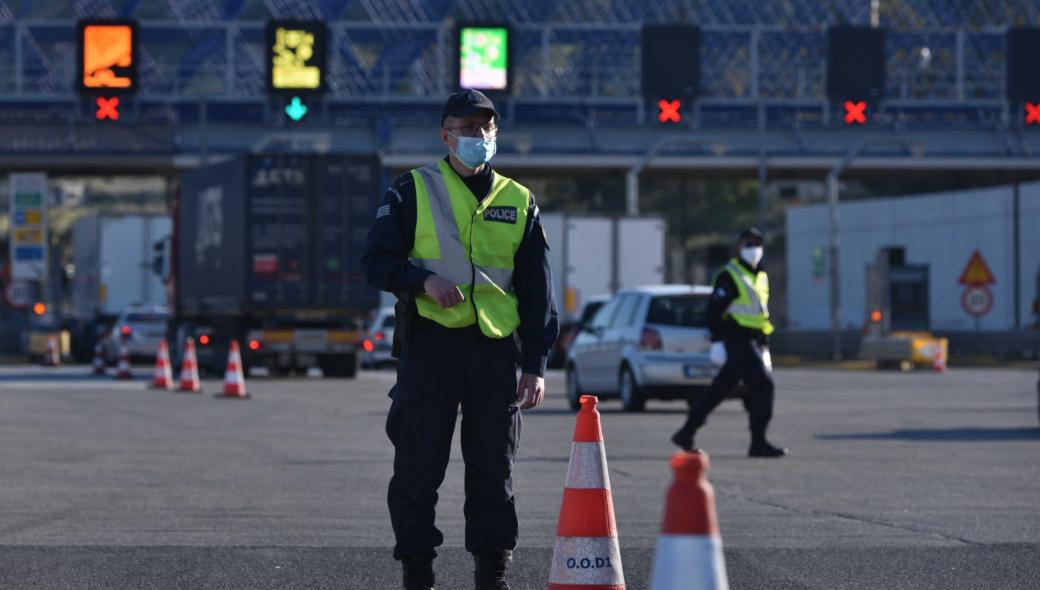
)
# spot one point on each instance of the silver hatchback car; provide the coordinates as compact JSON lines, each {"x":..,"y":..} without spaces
{"x":645,"y":343}
{"x":143,"y":327}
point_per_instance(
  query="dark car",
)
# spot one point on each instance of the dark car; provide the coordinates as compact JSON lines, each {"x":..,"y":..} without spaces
{"x":569,"y":331}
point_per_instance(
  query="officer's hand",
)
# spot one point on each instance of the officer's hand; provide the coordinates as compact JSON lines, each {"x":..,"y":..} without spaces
{"x":530,"y":391}
{"x":717,"y":354}
{"x":444,"y":292}
{"x":767,"y":360}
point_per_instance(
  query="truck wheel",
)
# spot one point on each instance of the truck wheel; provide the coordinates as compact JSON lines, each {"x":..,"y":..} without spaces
{"x":342,"y":366}
{"x":276,"y":370}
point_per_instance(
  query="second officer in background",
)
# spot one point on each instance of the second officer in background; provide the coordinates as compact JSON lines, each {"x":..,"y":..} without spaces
{"x":738,"y":317}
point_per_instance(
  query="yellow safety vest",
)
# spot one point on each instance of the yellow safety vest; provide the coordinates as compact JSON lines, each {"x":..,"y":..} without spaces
{"x":470,"y":244}
{"x":751,"y":307}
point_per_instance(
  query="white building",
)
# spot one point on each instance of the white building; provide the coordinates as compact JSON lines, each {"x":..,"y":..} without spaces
{"x":941,"y":230}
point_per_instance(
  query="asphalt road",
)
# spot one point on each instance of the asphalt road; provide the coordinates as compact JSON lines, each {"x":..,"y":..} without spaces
{"x":894,"y":481}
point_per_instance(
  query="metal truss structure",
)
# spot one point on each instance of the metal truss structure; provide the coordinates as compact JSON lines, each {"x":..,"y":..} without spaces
{"x":576,"y":71}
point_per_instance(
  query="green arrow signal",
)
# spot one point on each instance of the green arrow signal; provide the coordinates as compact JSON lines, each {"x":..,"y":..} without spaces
{"x":296,"y":110}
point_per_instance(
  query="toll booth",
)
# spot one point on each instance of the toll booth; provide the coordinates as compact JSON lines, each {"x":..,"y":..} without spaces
{"x":897,"y":293}
{"x":896,"y":329}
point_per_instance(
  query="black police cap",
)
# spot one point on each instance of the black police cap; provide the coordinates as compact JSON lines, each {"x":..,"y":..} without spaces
{"x":465,"y":103}
{"x":752,"y":234}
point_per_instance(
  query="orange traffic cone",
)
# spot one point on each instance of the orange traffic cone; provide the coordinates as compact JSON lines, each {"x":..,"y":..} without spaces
{"x":234,"y":380}
{"x":99,"y":359}
{"x":939,"y":360}
{"x":123,"y":369}
{"x":190,"y":369}
{"x":53,"y":357}
{"x":163,"y":376}
{"x":689,"y":550}
{"x":587,"y":555}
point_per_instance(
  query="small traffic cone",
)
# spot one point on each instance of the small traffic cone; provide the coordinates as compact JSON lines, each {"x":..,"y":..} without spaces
{"x":587,"y":555}
{"x":939,"y":359}
{"x":190,"y":369}
{"x":99,"y":359}
{"x":53,"y":357}
{"x":123,"y":369}
{"x":689,"y":550}
{"x":163,"y":376}
{"x":234,"y":380}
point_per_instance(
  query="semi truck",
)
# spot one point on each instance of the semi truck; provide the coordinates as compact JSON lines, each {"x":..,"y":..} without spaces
{"x":112,"y":257}
{"x":265,"y":250}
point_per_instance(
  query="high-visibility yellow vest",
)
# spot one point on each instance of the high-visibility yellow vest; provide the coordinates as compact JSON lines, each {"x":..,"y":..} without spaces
{"x":471,"y":244}
{"x":751,"y":307}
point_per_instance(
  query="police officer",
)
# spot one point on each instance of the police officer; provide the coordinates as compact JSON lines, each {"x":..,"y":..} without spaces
{"x":463,"y":248}
{"x":738,"y":317}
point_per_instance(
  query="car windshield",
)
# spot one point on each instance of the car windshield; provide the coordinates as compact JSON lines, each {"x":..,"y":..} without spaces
{"x":689,"y":311}
{"x":145,"y":318}
{"x":388,"y":322}
{"x":590,"y":310}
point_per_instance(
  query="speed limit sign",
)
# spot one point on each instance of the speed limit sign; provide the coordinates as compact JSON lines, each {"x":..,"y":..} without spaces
{"x":977,"y":301}
{"x":18,"y":294}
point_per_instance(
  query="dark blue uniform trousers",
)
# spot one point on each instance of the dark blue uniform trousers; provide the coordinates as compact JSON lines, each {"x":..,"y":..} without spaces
{"x":743,"y":363}
{"x":441,"y":370}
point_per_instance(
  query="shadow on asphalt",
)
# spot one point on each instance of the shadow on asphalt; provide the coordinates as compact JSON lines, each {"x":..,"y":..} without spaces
{"x":965,"y":434}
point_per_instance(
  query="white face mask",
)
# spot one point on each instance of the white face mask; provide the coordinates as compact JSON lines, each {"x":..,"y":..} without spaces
{"x":752,"y":255}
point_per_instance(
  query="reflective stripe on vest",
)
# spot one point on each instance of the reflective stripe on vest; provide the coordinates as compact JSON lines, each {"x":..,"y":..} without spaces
{"x":751,"y":307}
{"x":462,"y":241}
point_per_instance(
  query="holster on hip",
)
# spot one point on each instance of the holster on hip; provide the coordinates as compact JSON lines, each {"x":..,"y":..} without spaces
{"x":405,"y":315}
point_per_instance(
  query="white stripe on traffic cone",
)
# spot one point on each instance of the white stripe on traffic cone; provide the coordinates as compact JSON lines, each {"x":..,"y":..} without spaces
{"x":123,"y":370}
{"x":689,"y":550}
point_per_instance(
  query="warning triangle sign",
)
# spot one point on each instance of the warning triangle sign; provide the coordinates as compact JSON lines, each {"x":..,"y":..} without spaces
{"x":977,"y":273}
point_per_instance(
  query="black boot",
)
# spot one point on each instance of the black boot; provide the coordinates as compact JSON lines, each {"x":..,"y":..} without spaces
{"x":683,"y":440}
{"x":418,"y":572}
{"x":490,"y":570}
{"x":760,"y":447}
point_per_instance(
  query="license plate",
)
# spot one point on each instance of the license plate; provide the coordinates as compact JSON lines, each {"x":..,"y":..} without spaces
{"x":311,"y":340}
{"x":693,"y":372}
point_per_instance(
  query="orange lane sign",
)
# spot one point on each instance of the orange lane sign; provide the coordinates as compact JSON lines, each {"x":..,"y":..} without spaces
{"x":108,"y":56}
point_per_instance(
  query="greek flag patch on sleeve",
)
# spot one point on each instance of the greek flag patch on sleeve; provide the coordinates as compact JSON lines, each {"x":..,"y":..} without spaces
{"x":383,"y":211}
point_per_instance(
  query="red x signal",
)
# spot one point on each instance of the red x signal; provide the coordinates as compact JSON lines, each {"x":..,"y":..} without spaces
{"x":669,"y":111}
{"x":107,"y":108}
{"x":855,"y":112}
{"x":1033,"y":113}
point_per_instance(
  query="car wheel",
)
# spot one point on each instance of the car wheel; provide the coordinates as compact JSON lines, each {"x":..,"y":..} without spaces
{"x":573,"y":389}
{"x":632,"y":399}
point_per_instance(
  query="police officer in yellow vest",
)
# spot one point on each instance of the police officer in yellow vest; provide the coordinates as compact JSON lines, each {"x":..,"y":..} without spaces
{"x":738,"y":317}
{"x":465,"y":252}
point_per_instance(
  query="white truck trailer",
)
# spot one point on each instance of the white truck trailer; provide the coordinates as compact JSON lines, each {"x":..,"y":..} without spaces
{"x":113,"y":256}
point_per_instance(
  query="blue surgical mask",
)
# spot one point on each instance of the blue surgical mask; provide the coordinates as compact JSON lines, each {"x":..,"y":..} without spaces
{"x":474,"y":151}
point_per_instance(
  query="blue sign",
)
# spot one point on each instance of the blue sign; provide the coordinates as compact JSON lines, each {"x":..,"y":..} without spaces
{"x":28,"y":253}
